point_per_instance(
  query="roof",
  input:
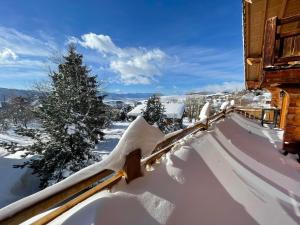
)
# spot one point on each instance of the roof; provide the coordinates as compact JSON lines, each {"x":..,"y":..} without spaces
{"x":255,"y":15}
{"x":172,"y":110}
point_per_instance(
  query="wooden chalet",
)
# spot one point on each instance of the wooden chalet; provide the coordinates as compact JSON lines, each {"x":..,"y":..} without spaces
{"x":272,"y":59}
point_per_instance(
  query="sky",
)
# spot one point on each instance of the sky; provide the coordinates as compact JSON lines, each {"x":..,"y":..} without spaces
{"x":148,"y":46}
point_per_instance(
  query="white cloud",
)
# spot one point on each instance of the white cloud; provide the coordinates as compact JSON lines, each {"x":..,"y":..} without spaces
{"x":22,"y":54}
{"x":226,"y":86}
{"x":7,"y":54}
{"x":133,"y":65}
{"x":205,"y":63}
{"x":23,"y":44}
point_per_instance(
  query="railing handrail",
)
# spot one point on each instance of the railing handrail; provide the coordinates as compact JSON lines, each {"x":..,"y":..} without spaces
{"x":56,"y":198}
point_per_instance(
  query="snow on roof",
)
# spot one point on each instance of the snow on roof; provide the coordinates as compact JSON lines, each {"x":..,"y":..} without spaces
{"x":172,"y":110}
{"x":137,"y":111}
{"x":206,"y":179}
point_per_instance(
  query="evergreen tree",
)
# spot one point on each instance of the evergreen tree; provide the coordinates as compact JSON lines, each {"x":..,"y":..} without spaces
{"x":72,"y":115}
{"x":154,"y":112}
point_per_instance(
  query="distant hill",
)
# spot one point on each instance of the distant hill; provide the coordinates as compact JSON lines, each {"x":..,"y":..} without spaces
{"x":134,"y":96}
{"x":6,"y":93}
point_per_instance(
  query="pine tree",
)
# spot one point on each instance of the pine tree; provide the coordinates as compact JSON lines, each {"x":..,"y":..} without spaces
{"x":72,"y":115}
{"x":154,"y":112}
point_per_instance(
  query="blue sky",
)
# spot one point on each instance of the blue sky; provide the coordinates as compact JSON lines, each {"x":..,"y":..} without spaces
{"x":171,"y":47}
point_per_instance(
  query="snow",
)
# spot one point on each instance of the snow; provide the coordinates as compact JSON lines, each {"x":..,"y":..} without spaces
{"x":172,"y":110}
{"x":137,"y":111}
{"x":232,"y":103}
{"x":139,"y":134}
{"x":112,"y":136}
{"x":18,"y":183}
{"x":212,"y":177}
{"x":224,"y":105}
{"x":15,"y":183}
{"x":204,"y":114}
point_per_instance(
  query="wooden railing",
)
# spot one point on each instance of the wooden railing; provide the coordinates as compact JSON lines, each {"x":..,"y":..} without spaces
{"x":277,"y":48}
{"x":265,"y":115}
{"x":107,"y":179}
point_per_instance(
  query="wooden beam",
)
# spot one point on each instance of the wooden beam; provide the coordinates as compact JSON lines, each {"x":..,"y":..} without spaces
{"x":282,"y":9}
{"x":269,"y":42}
{"x":264,"y":21}
{"x":290,"y":19}
{"x":282,"y":76}
{"x":251,"y":61}
{"x":289,"y":34}
{"x":288,"y":59}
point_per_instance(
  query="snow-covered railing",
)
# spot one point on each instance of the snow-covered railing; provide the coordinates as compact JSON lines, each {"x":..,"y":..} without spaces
{"x":107,"y":179}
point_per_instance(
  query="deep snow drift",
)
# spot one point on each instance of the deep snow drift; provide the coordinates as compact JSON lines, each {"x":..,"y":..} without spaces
{"x":213,"y":177}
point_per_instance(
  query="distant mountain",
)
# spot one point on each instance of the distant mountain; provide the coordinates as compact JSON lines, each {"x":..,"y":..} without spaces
{"x":134,"y":96}
{"x":6,"y":93}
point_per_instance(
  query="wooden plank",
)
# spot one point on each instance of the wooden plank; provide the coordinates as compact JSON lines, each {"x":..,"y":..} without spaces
{"x":290,"y":19}
{"x":251,"y":61}
{"x":52,"y":200}
{"x":59,"y":211}
{"x":287,"y":59}
{"x":284,"y":111}
{"x":289,"y":34}
{"x":281,"y":76}
{"x":269,"y":42}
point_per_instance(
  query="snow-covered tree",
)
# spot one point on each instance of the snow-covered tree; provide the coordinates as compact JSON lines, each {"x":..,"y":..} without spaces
{"x":72,"y":115}
{"x":154,"y":112}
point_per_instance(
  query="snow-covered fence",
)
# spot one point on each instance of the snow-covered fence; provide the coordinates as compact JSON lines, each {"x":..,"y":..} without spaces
{"x":30,"y":206}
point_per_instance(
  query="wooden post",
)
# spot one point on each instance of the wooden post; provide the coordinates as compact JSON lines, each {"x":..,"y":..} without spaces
{"x":132,"y":166}
{"x":269,"y":43}
{"x":262,"y":117}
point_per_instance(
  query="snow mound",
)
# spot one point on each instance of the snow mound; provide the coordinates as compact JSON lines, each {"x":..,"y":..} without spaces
{"x":204,"y":114}
{"x":139,"y":135}
{"x":224,"y":105}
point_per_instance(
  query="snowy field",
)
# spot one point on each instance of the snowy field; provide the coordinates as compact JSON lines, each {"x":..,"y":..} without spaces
{"x":18,"y":183}
{"x":15,"y":183}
